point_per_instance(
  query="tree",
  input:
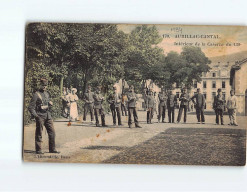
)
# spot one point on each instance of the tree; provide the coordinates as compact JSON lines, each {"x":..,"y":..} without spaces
{"x":142,"y":54}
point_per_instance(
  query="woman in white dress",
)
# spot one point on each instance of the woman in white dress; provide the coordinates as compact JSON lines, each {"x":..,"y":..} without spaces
{"x":73,"y":98}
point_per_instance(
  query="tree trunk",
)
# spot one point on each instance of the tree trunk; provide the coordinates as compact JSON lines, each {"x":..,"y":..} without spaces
{"x":61,"y":85}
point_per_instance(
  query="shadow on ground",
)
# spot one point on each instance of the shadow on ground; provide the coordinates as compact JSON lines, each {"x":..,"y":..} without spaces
{"x":188,"y":146}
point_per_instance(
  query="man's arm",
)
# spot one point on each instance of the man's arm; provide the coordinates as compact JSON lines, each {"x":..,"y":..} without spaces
{"x":32,"y":105}
{"x":192,"y":99}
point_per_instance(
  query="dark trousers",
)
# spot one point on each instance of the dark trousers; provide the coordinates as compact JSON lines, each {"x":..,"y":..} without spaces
{"x":124,"y":109}
{"x":88,"y":108}
{"x":200,"y":114}
{"x":171,"y":114}
{"x":150,"y":113}
{"x":132,"y":112}
{"x":162,"y":112}
{"x":219,"y":113}
{"x":48,"y":123}
{"x":181,"y":108}
{"x":116,"y":112}
{"x":97,"y":112}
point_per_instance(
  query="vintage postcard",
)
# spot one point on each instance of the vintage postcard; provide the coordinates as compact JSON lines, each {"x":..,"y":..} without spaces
{"x":135,"y":94}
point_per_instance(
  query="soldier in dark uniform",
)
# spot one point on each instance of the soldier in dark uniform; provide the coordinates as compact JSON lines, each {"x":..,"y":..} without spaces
{"x":132,"y":97}
{"x":218,"y":106}
{"x":184,"y":105}
{"x":171,"y":104}
{"x":199,"y":104}
{"x":115,"y":105}
{"x":89,"y":104}
{"x":39,"y":108}
{"x":98,"y":107}
{"x":162,"y":106}
{"x":150,"y":106}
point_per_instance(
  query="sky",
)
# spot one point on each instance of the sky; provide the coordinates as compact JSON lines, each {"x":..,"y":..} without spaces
{"x":226,"y":34}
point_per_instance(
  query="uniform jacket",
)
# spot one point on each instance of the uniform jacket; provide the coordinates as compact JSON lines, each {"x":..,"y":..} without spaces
{"x":184,"y":99}
{"x":200,"y":100}
{"x":162,"y":99}
{"x":39,"y":105}
{"x":218,"y":102}
{"x":132,"y":98}
{"x":98,"y":99}
{"x":115,"y":100}
{"x":231,"y":102}
{"x":150,"y":101}
{"x":171,"y":101}
{"x":88,"y":97}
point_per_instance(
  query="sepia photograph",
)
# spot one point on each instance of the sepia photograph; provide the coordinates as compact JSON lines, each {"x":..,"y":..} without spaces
{"x":135,"y":94}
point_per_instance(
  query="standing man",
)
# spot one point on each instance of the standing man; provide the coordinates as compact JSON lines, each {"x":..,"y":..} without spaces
{"x":199,"y":104}
{"x":171,"y":104}
{"x":98,"y":107}
{"x":184,"y":105}
{"x":162,"y":105}
{"x":123,"y":104}
{"x":115,"y":105}
{"x":218,"y":106}
{"x":132,"y":97}
{"x":232,"y":107}
{"x":150,"y":106}
{"x":89,"y":104}
{"x":66,"y":104}
{"x":39,"y":108}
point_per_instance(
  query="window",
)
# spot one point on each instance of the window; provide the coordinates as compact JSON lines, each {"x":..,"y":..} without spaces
{"x":223,"y":84}
{"x":214,"y":84}
{"x":195,"y":84}
{"x":204,"y":84}
{"x":177,"y":94}
{"x":205,"y":95}
{"x":214,"y":74}
{"x":213,"y":95}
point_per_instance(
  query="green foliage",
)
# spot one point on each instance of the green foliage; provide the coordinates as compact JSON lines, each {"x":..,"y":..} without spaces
{"x":78,"y":55}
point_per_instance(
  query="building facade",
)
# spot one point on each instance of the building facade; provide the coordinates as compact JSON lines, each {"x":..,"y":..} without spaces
{"x":217,"y":77}
{"x":238,"y":81}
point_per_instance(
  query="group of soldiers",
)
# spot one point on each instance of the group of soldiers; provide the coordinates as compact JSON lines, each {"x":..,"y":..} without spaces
{"x":40,"y":108}
{"x":170,"y":101}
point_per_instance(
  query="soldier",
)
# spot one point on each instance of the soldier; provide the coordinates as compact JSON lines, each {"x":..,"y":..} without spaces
{"x":162,"y":106}
{"x":39,"y":108}
{"x":115,"y":105}
{"x":89,"y":104}
{"x":150,"y":106}
{"x":199,"y":104}
{"x":171,"y":104}
{"x":218,"y":106}
{"x":132,"y":97}
{"x":184,"y":105}
{"x":98,"y":107}
{"x":123,"y":104}
{"x":65,"y":102}
{"x":232,"y":107}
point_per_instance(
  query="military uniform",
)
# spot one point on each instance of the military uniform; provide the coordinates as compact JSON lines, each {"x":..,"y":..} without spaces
{"x":39,"y":108}
{"x":89,"y":105}
{"x":232,"y":107}
{"x":184,"y":105}
{"x":171,"y":103}
{"x":219,"y":108}
{"x":98,"y":108}
{"x":123,"y":105}
{"x":150,"y":108}
{"x":162,"y":106}
{"x":199,"y":104}
{"x":132,"y":97}
{"x":115,"y":106}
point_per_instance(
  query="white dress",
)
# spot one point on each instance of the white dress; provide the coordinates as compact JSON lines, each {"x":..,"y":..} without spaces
{"x":73,"y":107}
